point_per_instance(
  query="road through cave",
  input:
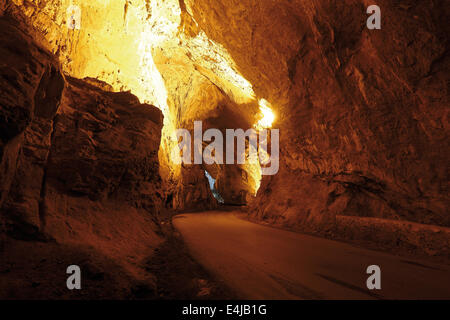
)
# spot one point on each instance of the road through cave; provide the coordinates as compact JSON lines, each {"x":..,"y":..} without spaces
{"x":260,"y":262}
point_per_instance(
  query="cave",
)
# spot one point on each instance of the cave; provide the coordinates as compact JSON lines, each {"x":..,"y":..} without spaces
{"x":321,"y":145}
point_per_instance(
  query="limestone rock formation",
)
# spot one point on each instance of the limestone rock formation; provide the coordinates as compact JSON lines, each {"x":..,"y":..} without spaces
{"x":362,"y":113}
{"x":88,"y":143}
{"x":79,"y":169}
{"x":31,"y":87}
{"x":154,"y":49}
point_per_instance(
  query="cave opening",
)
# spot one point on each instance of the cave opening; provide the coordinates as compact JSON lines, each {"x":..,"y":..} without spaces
{"x":158,"y":51}
{"x":212,"y":187}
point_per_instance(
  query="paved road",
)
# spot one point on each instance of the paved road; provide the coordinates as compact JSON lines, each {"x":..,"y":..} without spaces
{"x":260,"y":262}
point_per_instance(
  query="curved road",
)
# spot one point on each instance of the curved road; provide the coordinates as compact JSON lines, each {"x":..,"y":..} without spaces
{"x":260,"y":262}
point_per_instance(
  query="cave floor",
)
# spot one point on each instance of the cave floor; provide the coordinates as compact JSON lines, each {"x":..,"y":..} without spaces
{"x":260,"y":262}
{"x":34,"y":270}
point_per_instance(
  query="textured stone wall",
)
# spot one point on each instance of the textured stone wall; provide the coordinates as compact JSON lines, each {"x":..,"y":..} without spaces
{"x":66,"y":141}
{"x":363,"y":113}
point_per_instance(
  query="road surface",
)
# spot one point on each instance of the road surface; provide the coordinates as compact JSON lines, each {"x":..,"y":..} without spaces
{"x":260,"y":262}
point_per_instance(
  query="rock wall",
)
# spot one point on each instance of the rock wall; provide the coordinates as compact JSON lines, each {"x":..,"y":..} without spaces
{"x":78,"y":164}
{"x":362,"y":113}
{"x":104,"y":148}
{"x":154,"y":48}
{"x":31,"y":89}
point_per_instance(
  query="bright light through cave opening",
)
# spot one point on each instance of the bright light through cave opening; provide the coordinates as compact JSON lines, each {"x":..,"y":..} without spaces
{"x":268,"y":117}
{"x":212,"y":183}
{"x":141,"y":47}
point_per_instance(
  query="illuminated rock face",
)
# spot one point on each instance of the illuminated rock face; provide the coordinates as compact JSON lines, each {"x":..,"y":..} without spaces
{"x":155,"y":49}
{"x":361,"y":112}
{"x":69,"y":146}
